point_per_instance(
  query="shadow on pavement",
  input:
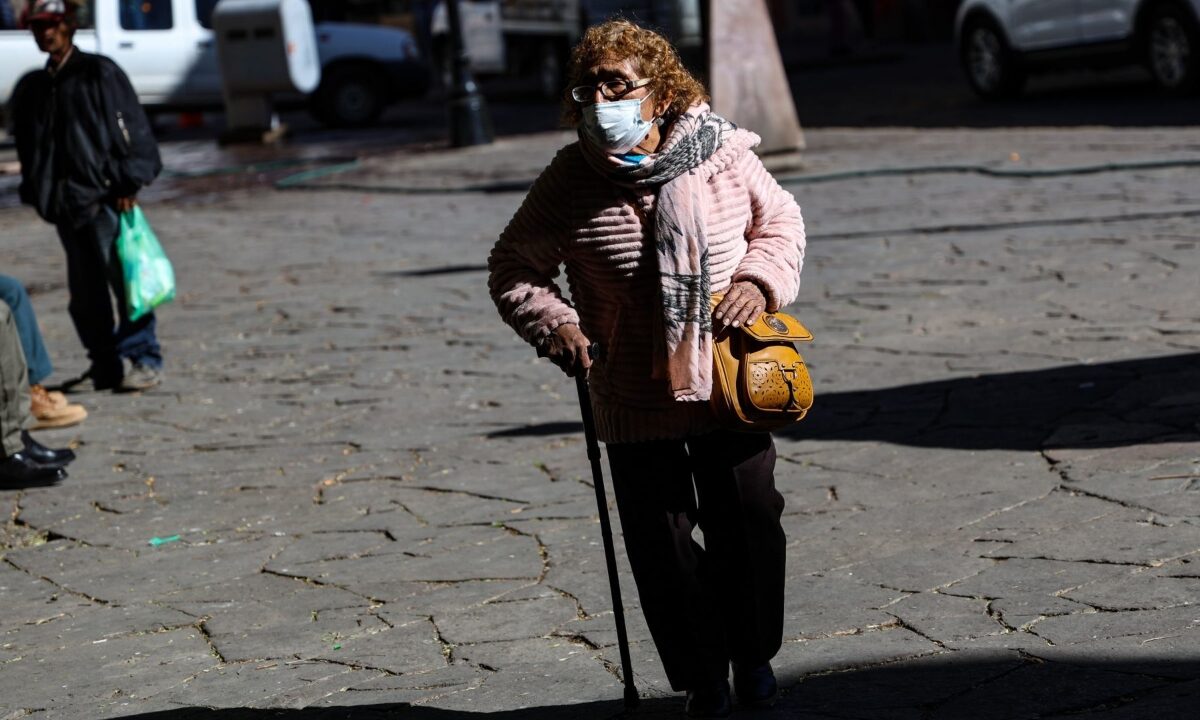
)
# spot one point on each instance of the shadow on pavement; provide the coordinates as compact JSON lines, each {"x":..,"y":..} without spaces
{"x":539,"y":430}
{"x":1111,"y":404}
{"x":938,"y":687}
{"x":433,"y":272}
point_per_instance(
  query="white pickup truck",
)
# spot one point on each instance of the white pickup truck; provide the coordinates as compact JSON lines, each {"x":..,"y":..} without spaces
{"x":166,"y":47}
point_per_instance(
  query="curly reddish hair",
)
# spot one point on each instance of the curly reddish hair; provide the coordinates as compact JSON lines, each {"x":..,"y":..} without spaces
{"x":650,"y":54}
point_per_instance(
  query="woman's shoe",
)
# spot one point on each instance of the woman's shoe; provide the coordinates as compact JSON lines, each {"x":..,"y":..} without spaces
{"x":709,"y":701}
{"x":755,"y":685}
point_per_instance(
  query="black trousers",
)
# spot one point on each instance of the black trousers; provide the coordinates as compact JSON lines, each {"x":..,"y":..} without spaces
{"x":97,"y":284}
{"x":706,"y":606}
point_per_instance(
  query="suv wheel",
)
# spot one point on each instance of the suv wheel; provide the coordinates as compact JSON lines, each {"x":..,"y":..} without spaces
{"x":1173,"y":49}
{"x":991,"y":67}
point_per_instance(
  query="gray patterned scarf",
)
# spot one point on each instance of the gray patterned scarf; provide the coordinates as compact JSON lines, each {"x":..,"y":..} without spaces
{"x":683,"y":350}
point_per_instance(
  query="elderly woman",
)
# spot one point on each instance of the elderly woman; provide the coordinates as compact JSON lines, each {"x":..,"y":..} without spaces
{"x":659,"y":203}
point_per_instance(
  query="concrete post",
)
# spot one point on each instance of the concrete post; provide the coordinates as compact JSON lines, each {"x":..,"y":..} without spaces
{"x":746,"y":76}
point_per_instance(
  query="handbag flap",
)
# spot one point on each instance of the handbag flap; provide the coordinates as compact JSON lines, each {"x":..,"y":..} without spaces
{"x":777,"y":326}
{"x":770,"y":326}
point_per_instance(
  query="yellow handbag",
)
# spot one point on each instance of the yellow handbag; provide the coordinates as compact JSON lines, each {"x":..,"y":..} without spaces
{"x":760,"y":381}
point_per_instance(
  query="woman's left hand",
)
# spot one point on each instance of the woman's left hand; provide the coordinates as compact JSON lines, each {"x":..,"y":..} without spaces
{"x":742,"y":304}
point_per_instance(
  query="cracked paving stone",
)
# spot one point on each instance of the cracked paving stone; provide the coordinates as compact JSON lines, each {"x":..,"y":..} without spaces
{"x":105,"y":574}
{"x":507,"y":621}
{"x":1043,"y":689}
{"x":1147,"y":627}
{"x":919,"y":569}
{"x":315,"y":548}
{"x":267,"y":684}
{"x":1052,"y":512}
{"x":1139,"y":591}
{"x":435,"y":555}
{"x":846,"y":652}
{"x":1119,"y":539}
{"x":196,"y":514}
{"x":1023,"y":641}
{"x":407,"y":509}
{"x":70,"y":622}
{"x":402,"y":600}
{"x":266,"y":616}
{"x":406,"y":648}
{"x":532,"y":679}
{"x":817,"y":606}
{"x":1170,"y":498}
{"x":945,"y":618}
{"x":109,"y":674}
{"x":1024,"y":590}
{"x":820,"y":544}
{"x":422,"y":688}
{"x":1145,"y":460}
{"x":555,"y":653}
{"x":23,"y":590}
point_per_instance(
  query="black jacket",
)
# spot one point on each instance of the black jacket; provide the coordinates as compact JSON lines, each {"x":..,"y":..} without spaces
{"x":82,"y":139}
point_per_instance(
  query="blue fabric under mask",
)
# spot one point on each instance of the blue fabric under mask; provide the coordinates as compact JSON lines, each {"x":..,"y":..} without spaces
{"x":615,"y":127}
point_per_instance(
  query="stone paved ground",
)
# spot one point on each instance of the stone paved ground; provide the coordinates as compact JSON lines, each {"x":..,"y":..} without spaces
{"x":383,"y":504}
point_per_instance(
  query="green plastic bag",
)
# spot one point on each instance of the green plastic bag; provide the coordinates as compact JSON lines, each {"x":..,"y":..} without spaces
{"x":149,"y":278}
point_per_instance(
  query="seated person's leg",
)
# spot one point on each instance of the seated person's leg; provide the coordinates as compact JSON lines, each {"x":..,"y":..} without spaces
{"x":17,"y":464}
{"x":50,"y":409}
{"x":12,"y":292}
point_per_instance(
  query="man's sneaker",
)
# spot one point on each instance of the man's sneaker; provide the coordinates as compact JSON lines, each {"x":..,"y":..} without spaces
{"x":140,"y":377}
{"x":51,"y":410}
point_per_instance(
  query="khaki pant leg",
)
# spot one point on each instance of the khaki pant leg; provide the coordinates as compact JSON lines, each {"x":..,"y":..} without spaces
{"x":14,"y":385}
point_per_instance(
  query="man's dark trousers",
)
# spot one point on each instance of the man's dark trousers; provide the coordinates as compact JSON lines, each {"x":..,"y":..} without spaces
{"x":93,"y":269}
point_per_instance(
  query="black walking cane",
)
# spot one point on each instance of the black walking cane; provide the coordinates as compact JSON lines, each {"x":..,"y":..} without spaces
{"x":610,"y":554}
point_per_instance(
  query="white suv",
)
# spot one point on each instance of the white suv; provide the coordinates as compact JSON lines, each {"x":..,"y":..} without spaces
{"x":1001,"y":41}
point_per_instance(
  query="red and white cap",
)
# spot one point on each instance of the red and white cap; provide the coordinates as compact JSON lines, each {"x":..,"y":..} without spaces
{"x":49,"y":10}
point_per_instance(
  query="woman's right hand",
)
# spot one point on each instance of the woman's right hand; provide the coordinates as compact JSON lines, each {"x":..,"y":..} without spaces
{"x":567,"y":347}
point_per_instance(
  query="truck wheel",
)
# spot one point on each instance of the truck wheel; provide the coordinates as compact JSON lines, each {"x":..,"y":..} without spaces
{"x":349,"y":97}
{"x":1173,"y":49}
{"x":992,"y":68}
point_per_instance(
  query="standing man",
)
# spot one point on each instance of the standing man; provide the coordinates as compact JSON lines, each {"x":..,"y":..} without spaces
{"x":86,"y":149}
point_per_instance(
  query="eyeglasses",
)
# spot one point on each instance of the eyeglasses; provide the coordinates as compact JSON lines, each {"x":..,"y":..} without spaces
{"x":609,"y":89}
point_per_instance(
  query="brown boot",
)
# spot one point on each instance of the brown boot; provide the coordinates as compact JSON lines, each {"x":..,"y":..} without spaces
{"x":47,"y":398}
{"x":51,"y":409}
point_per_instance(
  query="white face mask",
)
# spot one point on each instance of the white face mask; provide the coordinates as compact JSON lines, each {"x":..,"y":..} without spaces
{"x":615,"y":127}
